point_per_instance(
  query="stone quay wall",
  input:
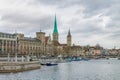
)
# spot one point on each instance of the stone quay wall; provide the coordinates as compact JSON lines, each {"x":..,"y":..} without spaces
{"x":13,"y":67}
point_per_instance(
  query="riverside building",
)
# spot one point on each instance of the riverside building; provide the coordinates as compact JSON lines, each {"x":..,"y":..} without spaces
{"x":17,"y":43}
{"x":7,"y":43}
{"x":43,"y":45}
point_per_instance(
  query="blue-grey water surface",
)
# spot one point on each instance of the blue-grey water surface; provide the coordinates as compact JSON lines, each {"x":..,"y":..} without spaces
{"x":82,"y":70}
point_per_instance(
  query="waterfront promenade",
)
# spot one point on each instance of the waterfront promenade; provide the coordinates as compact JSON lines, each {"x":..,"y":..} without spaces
{"x":8,"y":67}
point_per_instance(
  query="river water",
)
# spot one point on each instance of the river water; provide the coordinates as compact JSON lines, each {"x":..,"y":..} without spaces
{"x":79,"y":70}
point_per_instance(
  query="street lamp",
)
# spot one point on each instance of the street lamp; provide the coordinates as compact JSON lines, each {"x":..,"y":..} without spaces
{"x":16,"y":50}
{"x":8,"y":57}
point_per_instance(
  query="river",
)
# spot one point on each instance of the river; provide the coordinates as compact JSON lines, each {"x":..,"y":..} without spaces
{"x":79,"y":70}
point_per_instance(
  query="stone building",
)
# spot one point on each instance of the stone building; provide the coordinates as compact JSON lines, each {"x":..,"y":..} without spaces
{"x":17,"y":43}
{"x":48,"y":46}
{"x":7,"y":43}
{"x":44,"y":45}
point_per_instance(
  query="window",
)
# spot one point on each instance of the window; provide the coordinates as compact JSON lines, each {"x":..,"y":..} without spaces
{"x":4,"y":43}
{"x":0,"y":42}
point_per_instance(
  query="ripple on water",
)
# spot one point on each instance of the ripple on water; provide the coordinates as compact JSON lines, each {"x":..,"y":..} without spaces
{"x":84,"y":70}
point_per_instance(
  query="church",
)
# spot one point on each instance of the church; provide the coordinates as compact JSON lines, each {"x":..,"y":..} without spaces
{"x":55,"y":48}
{"x":17,"y":43}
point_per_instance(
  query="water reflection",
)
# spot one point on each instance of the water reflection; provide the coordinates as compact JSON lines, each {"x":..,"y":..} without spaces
{"x":83,"y":70}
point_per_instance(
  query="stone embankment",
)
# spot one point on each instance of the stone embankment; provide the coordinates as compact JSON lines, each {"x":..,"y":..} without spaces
{"x":13,"y":67}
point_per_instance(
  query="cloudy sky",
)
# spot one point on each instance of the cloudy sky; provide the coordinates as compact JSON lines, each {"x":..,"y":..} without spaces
{"x":91,"y":21}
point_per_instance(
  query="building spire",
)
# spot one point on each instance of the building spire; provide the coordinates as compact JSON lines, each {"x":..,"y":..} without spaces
{"x":69,"y":38}
{"x":69,"y":33}
{"x":55,"y":26}
{"x":40,"y":30}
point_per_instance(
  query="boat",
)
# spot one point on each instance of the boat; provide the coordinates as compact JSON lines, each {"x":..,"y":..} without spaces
{"x":60,"y":59}
{"x":76,"y":59}
{"x":113,"y":58}
{"x":69,"y":59}
{"x":73,"y":59}
{"x":84,"y":59}
{"x":48,"y":62}
{"x":119,"y":58}
{"x":51,"y":64}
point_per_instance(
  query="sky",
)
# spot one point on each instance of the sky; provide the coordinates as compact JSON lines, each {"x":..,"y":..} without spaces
{"x":91,"y":21}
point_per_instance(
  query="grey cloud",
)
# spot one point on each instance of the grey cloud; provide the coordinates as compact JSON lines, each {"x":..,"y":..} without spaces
{"x":87,"y":27}
{"x":91,"y":7}
{"x":82,"y":26}
{"x":96,"y":6}
{"x":115,"y":36}
{"x":20,"y":20}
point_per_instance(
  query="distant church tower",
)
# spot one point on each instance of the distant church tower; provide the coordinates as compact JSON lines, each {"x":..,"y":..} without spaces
{"x":55,"y":31}
{"x":69,"y":38}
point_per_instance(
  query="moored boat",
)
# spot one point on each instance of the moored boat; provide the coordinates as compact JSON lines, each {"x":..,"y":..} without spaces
{"x":84,"y":59}
{"x":76,"y":59}
{"x":51,"y":64}
{"x":119,"y":58}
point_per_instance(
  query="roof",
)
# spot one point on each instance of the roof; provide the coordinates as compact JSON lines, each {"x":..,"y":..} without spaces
{"x":8,"y":35}
{"x":40,"y":32}
{"x":76,"y":47}
{"x":30,"y":39}
{"x":63,"y":44}
{"x":69,"y":34}
{"x":55,"y":26}
{"x":56,"y":43}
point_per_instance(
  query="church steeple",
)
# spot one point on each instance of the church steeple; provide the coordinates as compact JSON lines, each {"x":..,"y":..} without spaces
{"x":55,"y":31}
{"x":69,"y":34}
{"x":69,"y":38}
{"x":55,"y":26}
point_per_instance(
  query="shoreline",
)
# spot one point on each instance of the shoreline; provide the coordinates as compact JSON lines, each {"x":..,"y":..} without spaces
{"x":14,"y":67}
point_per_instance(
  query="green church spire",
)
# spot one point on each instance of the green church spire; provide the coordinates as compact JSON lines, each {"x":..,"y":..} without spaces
{"x":55,"y":26}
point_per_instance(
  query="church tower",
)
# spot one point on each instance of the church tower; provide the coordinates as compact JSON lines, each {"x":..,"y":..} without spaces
{"x":69,"y":38}
{"x":55,"y":31}
{"x":41,"y":36}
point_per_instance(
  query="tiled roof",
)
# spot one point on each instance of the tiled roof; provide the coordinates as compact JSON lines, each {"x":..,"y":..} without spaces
{"x":56,"y":43}
{"x":63,"y":44}
{"x":5,"y":33}
{"x":76,"y":47}
{"x":30,"y":39}
{"x":8,"y":35}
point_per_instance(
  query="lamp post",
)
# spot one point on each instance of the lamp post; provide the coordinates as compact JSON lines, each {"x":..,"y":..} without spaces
{"x":16,"y":50}
{"x":8,"y":57}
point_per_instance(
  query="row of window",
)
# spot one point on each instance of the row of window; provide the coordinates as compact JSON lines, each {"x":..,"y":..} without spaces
{"x":7,"y":36}
{"x":30,"y":43}
{"x":6,"y":42}
{"x":29,"y":48}
{"x":28,"y":53}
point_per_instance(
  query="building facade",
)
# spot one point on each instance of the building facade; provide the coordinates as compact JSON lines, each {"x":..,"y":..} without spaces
{"x":8,"y":43}
{"x":17,"y":43}
{"x":44,"y":45}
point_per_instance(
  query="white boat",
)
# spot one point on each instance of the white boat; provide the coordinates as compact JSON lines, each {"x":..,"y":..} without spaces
{"x":113,"y":58}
